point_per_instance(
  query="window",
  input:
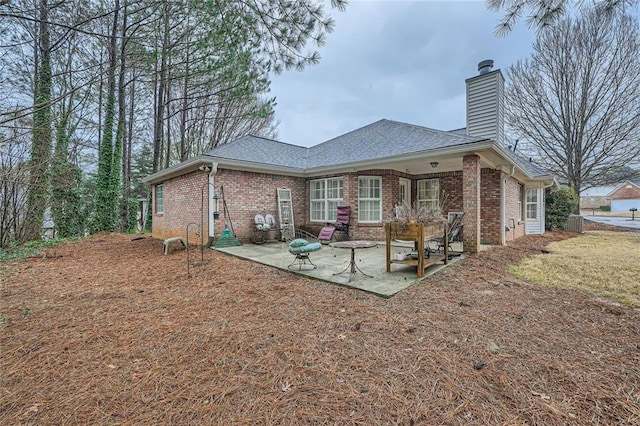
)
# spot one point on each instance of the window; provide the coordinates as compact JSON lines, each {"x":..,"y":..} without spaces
{"x":428,"y":195}
{"x":531,"y":204}
{"x":159,"y":198}
{"x":369,"y":199}
{"x":326,"y":196}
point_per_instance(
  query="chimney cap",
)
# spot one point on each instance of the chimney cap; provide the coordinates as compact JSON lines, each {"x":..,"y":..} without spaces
{"x":485,"y":66}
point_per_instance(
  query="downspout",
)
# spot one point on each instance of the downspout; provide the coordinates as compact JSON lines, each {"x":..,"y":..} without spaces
{"x":503,"y":203}
{"x":211,"y":191}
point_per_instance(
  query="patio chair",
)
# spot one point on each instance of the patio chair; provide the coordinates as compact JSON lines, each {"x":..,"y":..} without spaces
{"x":454,"y":230}
{"x":341,"y":226}
{"x":263,"y":225}
{"x":301,"y":249}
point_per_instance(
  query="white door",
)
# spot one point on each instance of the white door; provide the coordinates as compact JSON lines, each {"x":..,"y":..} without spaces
{"x":404,"y":192}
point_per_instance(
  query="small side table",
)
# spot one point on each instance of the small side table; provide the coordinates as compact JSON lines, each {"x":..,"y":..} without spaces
{"x":352,"y":268}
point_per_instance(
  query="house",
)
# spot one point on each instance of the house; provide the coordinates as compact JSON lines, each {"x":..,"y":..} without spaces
{"x":596,"y":197}
{"x":625,"y":196}
{"x":373,"y":169}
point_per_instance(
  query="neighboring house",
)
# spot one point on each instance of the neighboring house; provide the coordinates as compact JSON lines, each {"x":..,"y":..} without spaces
{"x":625,"y":196}
{"x":596,"y":197}
{"x":372,"y":169}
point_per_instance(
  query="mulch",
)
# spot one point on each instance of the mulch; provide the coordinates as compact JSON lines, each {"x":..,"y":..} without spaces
{"x":107,"y":330}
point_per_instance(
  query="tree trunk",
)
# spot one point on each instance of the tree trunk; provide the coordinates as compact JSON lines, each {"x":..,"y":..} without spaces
{"x":105,"y":204}
{"x":42,"y":134}
{"x":160,"y":92}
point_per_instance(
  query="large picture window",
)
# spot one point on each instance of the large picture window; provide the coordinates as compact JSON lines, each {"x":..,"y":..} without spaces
{"x":159,"y":198}
{"x":428,"y":195}
{"x":369,"y":199}
{"x":326,"y":196}
{"x":531,"y":204}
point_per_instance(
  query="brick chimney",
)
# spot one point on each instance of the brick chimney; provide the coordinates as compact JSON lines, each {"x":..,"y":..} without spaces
{"x":485,"y":103}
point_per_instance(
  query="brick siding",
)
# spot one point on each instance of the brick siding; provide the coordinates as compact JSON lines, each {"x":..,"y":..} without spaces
{"x":181,"y":205}
{"x":247,"y":194}
{"x":490,"y":221}
{"x":626,"y":193}
{"x":471,"y":202}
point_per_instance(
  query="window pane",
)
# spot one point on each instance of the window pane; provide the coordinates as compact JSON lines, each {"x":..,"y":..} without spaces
{"x":369,"y":199}
{"x":317,"y":190}
{"x":334,"y":188}
{"x":317,"y":210}
{"x":325,"y":195}
{"x":332,"y":212}
{"x":428,"y":194}
{"x":159,"y":199}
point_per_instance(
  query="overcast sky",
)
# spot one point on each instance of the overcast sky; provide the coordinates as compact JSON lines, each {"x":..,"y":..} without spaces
{"x":401,"y":60}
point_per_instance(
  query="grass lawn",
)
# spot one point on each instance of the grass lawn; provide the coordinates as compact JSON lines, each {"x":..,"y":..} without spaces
{"x":601,"y":263}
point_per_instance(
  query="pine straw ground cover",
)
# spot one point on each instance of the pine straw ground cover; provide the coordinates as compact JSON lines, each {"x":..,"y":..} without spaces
{"x":109,"y":331}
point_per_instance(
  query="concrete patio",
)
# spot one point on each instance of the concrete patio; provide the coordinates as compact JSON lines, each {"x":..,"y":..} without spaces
{"x":330,"y":260}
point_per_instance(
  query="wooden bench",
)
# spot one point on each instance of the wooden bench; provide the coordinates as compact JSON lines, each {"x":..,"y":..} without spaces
{"x":165,"y":245}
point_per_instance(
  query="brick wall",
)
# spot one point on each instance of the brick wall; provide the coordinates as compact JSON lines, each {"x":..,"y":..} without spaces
{"x":490,"y":206}
{"x":247,"y":194}
{"x":627,"y":192}
{"x":471,"y":202}
{"x":182,"y":205}
{"x":594,"y":202}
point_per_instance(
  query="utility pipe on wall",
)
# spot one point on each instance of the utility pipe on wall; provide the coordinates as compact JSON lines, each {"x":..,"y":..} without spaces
{"x":212,"y":201}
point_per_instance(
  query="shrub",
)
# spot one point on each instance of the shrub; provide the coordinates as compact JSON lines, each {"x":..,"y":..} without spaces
{"x":560,"y":204}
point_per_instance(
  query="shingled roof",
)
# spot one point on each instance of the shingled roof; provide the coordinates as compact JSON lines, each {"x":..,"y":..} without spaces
{"x":261,"y":150}
{"x":379,"y":140}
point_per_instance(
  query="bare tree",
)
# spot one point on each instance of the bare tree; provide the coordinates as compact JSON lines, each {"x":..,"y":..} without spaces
{"x":541,"y":14}
{"x":14,"y":181}
{"x":576,"y":101}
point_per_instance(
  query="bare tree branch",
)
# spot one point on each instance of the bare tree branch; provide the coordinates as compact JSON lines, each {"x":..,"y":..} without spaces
{"x":576,"y":101}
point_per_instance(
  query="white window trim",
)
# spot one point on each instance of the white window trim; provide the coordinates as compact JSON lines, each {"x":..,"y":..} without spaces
{"x":528,"y":203}
{"x":160,"y":210}
{"x":325,"y":199}
{"x":379,"y":200}
{"x":420,"y":202}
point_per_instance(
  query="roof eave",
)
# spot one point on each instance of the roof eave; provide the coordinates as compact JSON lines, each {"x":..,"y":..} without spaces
{"x":462,"y":149}
{"x":547,"y":178}
{"x":177,"y":170}
{"x":249,"y":166}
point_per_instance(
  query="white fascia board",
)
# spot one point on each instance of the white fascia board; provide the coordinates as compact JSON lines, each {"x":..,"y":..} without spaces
{"x":466,"y":149}
{"x":205,"y":160}
{"x":177,"y":170}
{"x":247,"y":166}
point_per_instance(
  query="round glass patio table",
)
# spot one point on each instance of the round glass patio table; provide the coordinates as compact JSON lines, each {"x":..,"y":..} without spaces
{"x":352,"y":268}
